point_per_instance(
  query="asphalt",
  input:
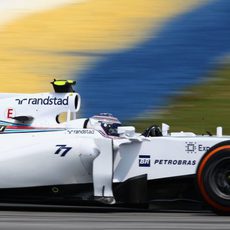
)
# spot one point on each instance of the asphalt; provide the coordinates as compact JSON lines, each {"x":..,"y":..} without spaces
{"x":84,"y":218}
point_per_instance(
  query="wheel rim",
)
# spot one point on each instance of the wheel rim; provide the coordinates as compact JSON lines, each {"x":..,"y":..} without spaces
{"x":220,"y":178}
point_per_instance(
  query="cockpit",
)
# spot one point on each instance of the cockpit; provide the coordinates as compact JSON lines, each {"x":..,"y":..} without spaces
{"x":106,"y":123}
{"x":110,"y":129}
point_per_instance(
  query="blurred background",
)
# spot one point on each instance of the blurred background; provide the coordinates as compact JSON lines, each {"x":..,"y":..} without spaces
{"x":144,"y":61}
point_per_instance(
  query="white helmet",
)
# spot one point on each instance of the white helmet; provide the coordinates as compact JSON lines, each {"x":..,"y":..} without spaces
{"x":105,"y":122}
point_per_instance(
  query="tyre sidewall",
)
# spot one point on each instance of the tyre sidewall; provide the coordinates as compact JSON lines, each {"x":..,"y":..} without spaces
{"x":206,"y":175}
{"x":205,"y":167}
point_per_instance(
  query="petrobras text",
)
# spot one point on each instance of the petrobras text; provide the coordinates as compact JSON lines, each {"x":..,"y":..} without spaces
{"x":174,"y":162}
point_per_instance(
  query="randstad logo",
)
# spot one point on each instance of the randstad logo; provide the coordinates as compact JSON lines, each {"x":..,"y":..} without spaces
{"x":43,"y":101}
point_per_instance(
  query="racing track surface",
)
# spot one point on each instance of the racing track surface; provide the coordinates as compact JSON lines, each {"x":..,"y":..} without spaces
{"x":78,"y":218}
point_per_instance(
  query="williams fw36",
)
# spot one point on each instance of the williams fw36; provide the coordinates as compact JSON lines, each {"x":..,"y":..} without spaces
{"x":47,"y":159}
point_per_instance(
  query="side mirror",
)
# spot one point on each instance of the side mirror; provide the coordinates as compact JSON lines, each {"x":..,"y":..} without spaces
{"x":165,"y":129}
{"x":126,"y":131}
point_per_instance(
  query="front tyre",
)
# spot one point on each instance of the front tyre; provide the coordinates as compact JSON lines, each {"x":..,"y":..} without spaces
{"x":213,"y":178}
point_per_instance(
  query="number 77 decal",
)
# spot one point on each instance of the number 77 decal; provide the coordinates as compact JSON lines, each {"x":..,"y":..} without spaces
{"x":63,"y":149}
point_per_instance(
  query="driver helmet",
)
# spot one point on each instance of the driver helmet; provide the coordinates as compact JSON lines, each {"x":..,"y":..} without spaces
{"x":106,"y":123}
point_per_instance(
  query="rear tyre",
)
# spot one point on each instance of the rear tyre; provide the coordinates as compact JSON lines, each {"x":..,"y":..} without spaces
{"x":213,"y":177}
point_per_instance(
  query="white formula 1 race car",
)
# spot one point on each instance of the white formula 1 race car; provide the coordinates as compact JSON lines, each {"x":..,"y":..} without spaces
{"x":98,"y":160}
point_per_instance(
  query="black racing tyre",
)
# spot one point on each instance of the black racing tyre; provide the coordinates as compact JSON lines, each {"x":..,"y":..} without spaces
{"x":213,"y":178}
